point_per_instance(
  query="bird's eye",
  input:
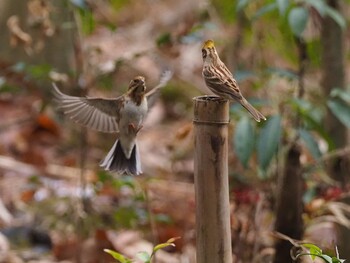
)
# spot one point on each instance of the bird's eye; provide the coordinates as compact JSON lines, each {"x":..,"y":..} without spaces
{"x":204,"y":53}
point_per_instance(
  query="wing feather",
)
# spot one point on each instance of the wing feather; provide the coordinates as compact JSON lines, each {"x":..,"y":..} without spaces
{"x":221,"y":82}
{"x":95,"y":113}
{"x":153,"y":94}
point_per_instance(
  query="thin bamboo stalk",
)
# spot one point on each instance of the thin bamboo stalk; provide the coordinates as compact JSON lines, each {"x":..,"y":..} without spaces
{"x":213,"y":233}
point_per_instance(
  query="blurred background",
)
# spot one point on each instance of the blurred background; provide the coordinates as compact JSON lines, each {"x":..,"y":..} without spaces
{"x":287,"y":175}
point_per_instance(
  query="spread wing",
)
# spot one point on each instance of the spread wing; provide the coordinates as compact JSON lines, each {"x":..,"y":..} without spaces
{"x":95,"y":113}
{"x":153,"y":94}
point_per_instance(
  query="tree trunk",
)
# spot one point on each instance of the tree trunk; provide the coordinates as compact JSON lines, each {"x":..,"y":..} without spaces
{"x":289,"y":205}
{"x":333,"y":76}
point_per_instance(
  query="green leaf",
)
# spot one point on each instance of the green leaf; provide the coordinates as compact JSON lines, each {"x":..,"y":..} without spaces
{"x":173,"y":239}
{"x":128,"y":181}
{"x":282,"y":6}
{"x":337,"y":260}
{"x":170,"y":242}
{"x":341,"y":110}
{"x":163,"y":218}
{"x":164,"y":39}
{"x":264,"y":10}
{"x":342,"y":94}
{"x":19,"y":67}
{"x":118,"y":4}
{"x":326,"y":258}
{"x":242,"y":4}
{"x":79,"y":3}
{"x":284,"y":73}
{"x":39,"y":72}
{"x":144,"y":256}
{"x":88,"y":22}
{"x":309,"y":114}
{"x":126,"y":216}
{"x":241,"y":75}
{"x":310,"y":143}
{"x":336,"y":16}
{"x":117,"y":256}
{"x":268,"y":140}
{"x":319,"y":5}
{"x":8,"y":88}
{"x":244,"y":140}
{"x":162,"y":245}
{"x":314,"y":250}
{"x":297,"y":20}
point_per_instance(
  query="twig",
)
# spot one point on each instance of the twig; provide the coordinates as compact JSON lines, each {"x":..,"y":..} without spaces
{"x":51,"y":170}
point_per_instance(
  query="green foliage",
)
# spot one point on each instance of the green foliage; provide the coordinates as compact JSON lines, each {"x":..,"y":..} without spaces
{"x":297,"y":12}
{"x":282,"y":6}
{"x":315,"y":252}
{"x":118,"y":4}
{"x":244,"y":140}
{"x":88,"y":23}
{"x":311,"y":118}
{"x":319,"y":5}
{"x":23,"y":73}
{"x":342,"y":94}
{"x":106,"y":81}
{"x":336,"y":16}
{"x":8,"y":88}
{"x":143,"y":256}
{"x":297,"y":19}
{"x":310,"y":143}
{"x":226,"y":9}
{"x":128,"y":214}
{"x":164,"y":39}
{"x":339,"y":104}
{"x":268,"y":141}
{"x":264,"y":138}
{"x":126,"y":217}
{"x":341,"y":110}
{"x":79,"y":3}
{"x":283,"y":73}
{"x":268,"y":8}
{"x":118,"y":256}
{"x":85,"y":13}
{"x":38,"y":72}
{"x":241,"y":75}
{"x":241,"y":4}
{"x":310,"y":115}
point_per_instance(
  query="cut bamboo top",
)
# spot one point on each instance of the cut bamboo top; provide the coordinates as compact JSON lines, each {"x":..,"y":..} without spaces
{"x":211,"y":110}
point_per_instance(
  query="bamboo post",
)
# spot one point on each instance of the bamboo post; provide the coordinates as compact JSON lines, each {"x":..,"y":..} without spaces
{"x":213,"y":232}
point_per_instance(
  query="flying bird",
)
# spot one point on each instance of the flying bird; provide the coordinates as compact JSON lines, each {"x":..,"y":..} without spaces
{"x":124,"y":115}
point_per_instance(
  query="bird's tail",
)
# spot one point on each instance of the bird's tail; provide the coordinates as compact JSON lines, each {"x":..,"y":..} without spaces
{"x":116,"y":160}
{"x":254,"y":112}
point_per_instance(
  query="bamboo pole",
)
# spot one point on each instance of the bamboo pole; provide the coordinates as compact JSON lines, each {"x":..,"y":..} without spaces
{"x":213,"y":232}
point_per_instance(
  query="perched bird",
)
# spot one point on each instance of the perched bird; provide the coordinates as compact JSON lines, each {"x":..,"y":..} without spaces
{"x":220,"y":80}
{"x":123,"y":115}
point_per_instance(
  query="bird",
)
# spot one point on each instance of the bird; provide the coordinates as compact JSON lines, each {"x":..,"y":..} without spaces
{"x":220,"y":80}
{"x":124,"y":115}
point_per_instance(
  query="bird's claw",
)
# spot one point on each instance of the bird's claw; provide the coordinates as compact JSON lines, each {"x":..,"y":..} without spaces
{"x":134,"y":129}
